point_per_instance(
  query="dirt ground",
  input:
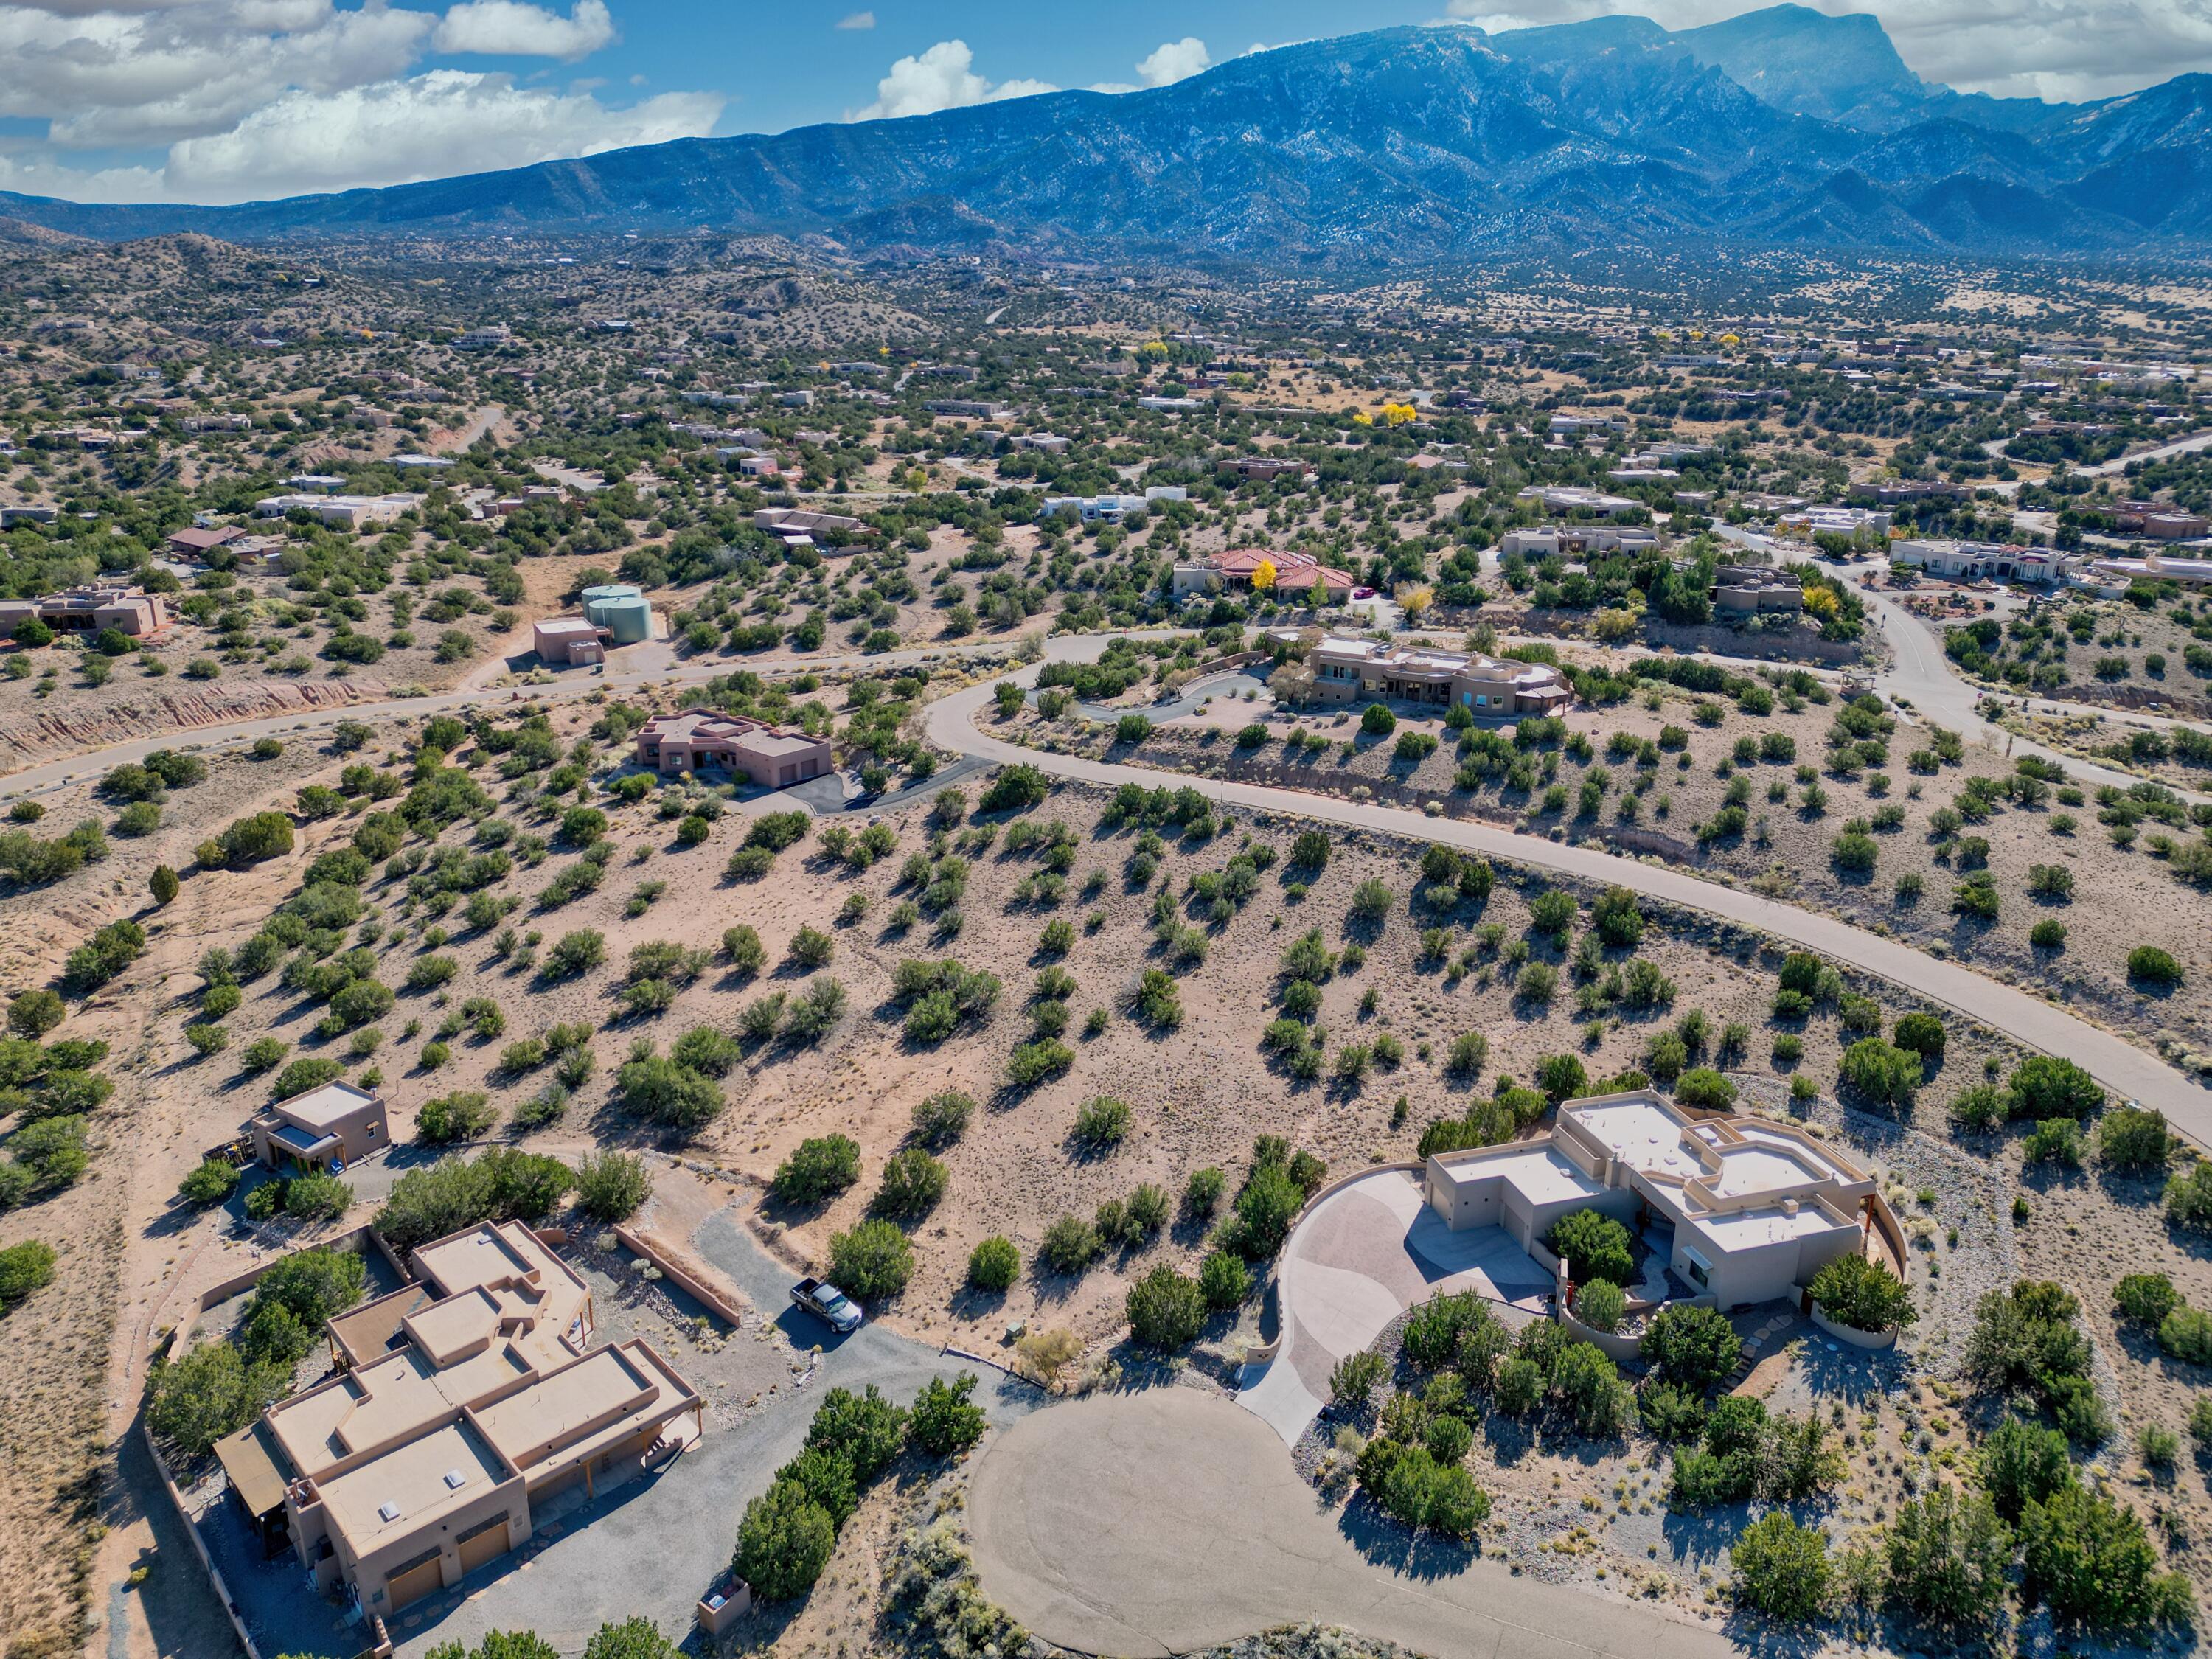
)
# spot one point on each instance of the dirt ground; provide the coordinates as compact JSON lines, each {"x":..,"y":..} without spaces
{"x":1198,"y":1094}
{"x":2123,"y":897}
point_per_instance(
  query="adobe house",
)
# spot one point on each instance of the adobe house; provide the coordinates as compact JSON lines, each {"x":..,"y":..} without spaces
{"x":464,"y":1401}
{"x":699,"y":739}
{"x":1352,"y":671}
{"x":1756,"y":1207}
{"x":325,"y":1127}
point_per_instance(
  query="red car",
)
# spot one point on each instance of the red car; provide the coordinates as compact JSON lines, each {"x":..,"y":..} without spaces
{"x":1363,"y":593}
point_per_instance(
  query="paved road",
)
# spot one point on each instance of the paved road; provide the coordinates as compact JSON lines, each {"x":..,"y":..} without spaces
{"x":1921,"y":675}
{"x":2028,"y":1020}
{"x":1159,"y":1523}
{"x":2119,"y":464}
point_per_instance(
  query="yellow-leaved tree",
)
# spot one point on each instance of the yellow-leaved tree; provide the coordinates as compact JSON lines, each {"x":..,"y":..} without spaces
{"x":1263,"y":575}
{"x":1399,"y":414}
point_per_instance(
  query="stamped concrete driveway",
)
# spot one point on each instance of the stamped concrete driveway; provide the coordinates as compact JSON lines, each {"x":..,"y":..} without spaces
{"x":1160,"y":1522}
{"x":1369,"y":1251}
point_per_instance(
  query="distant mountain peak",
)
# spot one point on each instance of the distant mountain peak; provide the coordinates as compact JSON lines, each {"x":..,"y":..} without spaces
{"x":1403,"y":146}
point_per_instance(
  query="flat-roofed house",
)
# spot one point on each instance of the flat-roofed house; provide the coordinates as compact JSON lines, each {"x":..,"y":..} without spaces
{"x":335,"y":1124}
{"x":1747,"y":589}
{"x":464,"y":1401}
{"x":571,"y":640}
{"x":701,"y":739}
{"x":1756,"y":1207}
{"x":89,"y":610}
{"x":1348,"y":670}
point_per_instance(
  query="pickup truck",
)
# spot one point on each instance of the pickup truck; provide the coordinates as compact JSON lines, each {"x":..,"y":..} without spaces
{"x":827,"y":1304}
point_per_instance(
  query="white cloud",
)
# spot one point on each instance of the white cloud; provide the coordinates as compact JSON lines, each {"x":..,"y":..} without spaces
{"x":1173,"y":61}
{"x":512,"y":29}
{"x":113,"y":80}
{"x":2068,"y":50}
{"x":428,"y":126}
{"x":29,"y":173}
{"x":943,"y":78}
{"x":858,"y":19}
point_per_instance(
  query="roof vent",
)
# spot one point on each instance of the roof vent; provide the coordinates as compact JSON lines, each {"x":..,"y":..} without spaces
{"x":1788,"y":1207}
{"x":387,"y":1513}
{"x":455,"y":1480}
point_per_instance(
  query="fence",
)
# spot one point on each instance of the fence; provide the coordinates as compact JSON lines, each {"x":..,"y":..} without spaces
{"x":199,"y":1547}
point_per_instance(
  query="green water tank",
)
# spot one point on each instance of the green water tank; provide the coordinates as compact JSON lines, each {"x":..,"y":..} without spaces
{"x":621,"y":609}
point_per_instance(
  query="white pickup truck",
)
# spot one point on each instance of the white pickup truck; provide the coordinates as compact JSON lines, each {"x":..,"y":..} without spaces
{"x":827,"y":1304}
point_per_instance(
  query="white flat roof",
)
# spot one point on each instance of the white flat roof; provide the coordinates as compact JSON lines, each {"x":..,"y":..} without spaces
{"x":1769,"y":1224}
{"x":1641,"y":1134}
{"x":1747,"y":1169}
{"x":1541,"y":1173}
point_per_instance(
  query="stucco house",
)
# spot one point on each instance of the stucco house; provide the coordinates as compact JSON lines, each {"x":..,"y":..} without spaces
{"x":1756,"y":1207}
{"x":1297,"y":575}
{"x":1350,"y":671}
{"x":699,"y":739}
{"x":331,"y":1126}
{"x":462,"y":1402}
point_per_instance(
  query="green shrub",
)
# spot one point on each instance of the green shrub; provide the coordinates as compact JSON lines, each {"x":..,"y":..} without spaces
{"x":945,"y":1421}
{"x":1602,"y":1305}
{"x":1224,"y":1280}
{"x":25,"y":1266}
{"x":913,"y":1183}
{"x":816,"y":1168}
{"x":871,"y":1261}
{"x":1594,"y":1246}
{"x":211,"y":1182}
{"x":1691,"y":1347}
{"x":1862,"y":1294}
{"x":2149,"y":965}
{"x":2043,"y":1086}
{"x":994,"y":1264}
{"x":612,"y":1186}
{"x":2087,"y":1558}
{"x":1782,"y":1568}
{"x":784,"y":1542}
{"x":2134,"y":1139}
{"x":1166,"y":1310}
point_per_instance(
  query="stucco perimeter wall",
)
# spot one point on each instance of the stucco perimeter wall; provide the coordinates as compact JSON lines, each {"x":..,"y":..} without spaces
{"x":1619,"y":1349}
{"x":1869,"y":1339}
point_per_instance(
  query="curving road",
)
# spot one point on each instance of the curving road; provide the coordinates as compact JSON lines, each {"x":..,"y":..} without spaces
{"x":2028,"y":1020}
{"x":2129,"y":1071}
{"x":1920,"y":676}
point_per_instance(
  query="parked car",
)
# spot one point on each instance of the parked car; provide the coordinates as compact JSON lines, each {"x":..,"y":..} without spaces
{"x":827,"y":1303}
{"x":1363,"y":593}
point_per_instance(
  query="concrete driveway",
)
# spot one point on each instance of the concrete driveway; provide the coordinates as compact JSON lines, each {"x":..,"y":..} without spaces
{"x":1160,"y":1522}
{"x":1369,"y":1251}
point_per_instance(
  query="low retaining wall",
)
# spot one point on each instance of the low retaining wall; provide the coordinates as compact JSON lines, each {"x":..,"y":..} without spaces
{"x":690,"y":1282}
{"x":1615,"y":1347}
{"x":1873,"y":1340}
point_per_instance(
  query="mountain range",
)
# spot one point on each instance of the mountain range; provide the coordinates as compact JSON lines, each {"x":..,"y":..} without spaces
{"x":1424,"y":146}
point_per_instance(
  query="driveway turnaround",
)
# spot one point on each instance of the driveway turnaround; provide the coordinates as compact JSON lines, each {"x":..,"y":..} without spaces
{"x":1155,"y":1523}
{"x":1366,"y":1253}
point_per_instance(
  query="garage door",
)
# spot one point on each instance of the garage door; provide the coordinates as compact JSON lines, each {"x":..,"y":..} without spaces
{"x":483,"y":1544}
{"x":413,"y":1584}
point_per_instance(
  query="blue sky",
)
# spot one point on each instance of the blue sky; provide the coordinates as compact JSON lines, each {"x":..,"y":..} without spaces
{"x":221,"y":100}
